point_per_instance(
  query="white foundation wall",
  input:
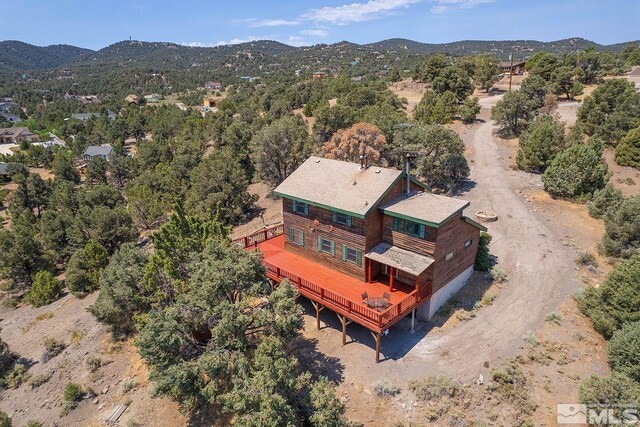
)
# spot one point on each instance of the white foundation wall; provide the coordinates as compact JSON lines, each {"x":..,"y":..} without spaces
{"x":428,"y":309}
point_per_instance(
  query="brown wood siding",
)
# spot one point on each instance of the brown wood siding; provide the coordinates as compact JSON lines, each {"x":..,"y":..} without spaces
{"x":424,"y":246}
{"x":352,"y":237}
{"x":452,"y":236}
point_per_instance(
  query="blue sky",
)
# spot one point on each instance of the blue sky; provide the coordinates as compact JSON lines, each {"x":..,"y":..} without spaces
{"x":96,"y":24}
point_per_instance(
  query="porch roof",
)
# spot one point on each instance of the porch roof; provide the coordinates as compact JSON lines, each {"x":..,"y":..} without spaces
{"x":401,"y":259}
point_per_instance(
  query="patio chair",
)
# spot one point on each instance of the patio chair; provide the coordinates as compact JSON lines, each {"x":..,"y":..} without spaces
{"x":386,"y":297}
{"x":365,"y":296}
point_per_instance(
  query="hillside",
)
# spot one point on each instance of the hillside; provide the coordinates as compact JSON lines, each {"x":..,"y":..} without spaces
{"x":16,"y":55}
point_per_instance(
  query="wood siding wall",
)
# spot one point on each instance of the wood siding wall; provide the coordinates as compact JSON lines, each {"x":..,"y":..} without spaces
{"x":424,"y":246}
{"x":452,"y":236}
{"x":352,"y":237}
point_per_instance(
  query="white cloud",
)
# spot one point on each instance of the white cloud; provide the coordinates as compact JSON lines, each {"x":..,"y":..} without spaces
{"x":257,"y":23}
{"x":223,"y":42}
{"x":445,"y":5}
{"x":356,"y":12}
{"x":295,"y":41}
{"x":318,"y":32}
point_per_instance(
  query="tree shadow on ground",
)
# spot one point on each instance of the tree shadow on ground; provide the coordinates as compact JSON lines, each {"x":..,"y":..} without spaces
{"x":464,"y":187}
{"x":400,"y":339}
{"x":316,"y":362}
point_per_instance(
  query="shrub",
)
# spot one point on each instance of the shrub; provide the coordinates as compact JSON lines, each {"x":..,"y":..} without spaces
{"x":575,"y":172}
{"x":73,"y":392}
{"x":554,"y":317}
{"x":499,"y":275}
{"x":469,"y":110}
{"x":530,"y":337}
{"x":508,"y":378}
{"x":17,"y":376}
{"x":384,"y":388}
{"x":628,"y":151}
{"x":540,"y":144}
{"x":607,"y":199}
{"x":84,"y":268}
{"x":624,"y":351}
{"x":586,"y":258}
{"x":93,"y":363}
{"x":616,"y":301}
{"x":613,"y":391}
{"x":32,"y":423}
{"x":41,"y":379}
{"x":53,"y":347}
{"x":45,"y":289}
{"x":129,"y":385}
{"x":5,"y":421}
{"x":488,"y":298}
{"x":622,"y":230}
{"x":435,"y":387}
{"x":483,"y":259}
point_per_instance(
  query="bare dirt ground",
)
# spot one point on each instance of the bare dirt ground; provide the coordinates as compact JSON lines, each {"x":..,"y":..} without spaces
{"x":121,"y":379}
{"x":412,"y":91}
{"x":269,"y":212}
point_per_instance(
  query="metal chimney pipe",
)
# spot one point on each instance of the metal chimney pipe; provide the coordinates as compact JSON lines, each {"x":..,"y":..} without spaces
{"x":408,"y":175}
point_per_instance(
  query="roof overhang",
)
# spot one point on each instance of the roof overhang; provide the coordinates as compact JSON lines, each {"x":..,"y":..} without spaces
{"x":320,"y":205}
{"x":401,"y":259}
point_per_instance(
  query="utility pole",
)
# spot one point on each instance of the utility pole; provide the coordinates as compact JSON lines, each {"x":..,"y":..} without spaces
{"x":510,"y":69}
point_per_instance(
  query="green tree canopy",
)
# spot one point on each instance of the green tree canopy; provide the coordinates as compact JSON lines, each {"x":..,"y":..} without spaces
{"x":83,"y":270}
{"x":624,"y":351}
{"x":577,"y":171}
{"x":628,"y":151}
{"x":540,"y":143}
{"x":622,"y":229}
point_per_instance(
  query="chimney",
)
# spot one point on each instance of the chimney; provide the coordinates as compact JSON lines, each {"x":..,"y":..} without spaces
{"x":408,"y":173}
{"x":363,"y":158}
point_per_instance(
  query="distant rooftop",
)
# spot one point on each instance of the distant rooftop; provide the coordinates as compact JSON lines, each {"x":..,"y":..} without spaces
{"x":424,"y":206}
{"x":98,"y":150}
{"x":337,"y":184}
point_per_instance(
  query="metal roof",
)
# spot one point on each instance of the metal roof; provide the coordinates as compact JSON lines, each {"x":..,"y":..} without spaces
{"x":3,"y":169}
{"x":401,"y":259}
{"x":424,"y":206}
{"x":337,"y":184}
{"x":98,"y":150}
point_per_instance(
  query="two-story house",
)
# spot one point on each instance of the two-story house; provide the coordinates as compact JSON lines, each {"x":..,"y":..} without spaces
{"x":370,"y":243}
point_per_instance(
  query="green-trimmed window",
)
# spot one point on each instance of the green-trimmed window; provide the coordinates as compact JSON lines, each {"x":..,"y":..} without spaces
{"x":408,"y":227}
{"x":468,"y":243}
{"x":326,"y":246}
{"x":352,"y":255}
{"x":340,"y":218}
{"x":300,"y":208}
{"x":296,"y":236}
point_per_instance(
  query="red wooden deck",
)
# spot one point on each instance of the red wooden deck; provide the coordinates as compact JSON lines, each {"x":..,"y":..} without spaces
{"x":332,"y":289}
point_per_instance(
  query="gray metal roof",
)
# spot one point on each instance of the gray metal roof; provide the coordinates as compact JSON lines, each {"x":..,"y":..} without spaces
{"x":98,"y":150}
{"x":401,"y":259}
{"x":425,"y":206}
{"x":3,"y":169}
{"x":337,"y":184}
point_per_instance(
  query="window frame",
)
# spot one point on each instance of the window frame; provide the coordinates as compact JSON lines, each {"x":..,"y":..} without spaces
{"x":305,"y":208}
{"x":450,"y":256}
{"x":356,"y":252}
{"x":332,"y":246}
{"x":347,"y":218}
{"x":468,"y":243}
{"x":400,"y":225}
{"x":292,"y":233}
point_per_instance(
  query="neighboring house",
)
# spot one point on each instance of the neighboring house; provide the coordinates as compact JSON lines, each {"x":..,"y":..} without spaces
{"x":517,"y":67}
{"x":154,"y":97}
{"x":12,"y":118}
{"x":84,"y":99}
{"x":7,"y":109}
{"x":17,"y":134}
{"x":213,"y":86}
{"x":52,"y":141}
{"x":349,"y":229}
{"x":86,"y":116}
{"x":3,"y":171}
{"x":7,"y":106}
{"x":94,"y":151}
{"x":132,"y":99}
{"x":319,"y":75}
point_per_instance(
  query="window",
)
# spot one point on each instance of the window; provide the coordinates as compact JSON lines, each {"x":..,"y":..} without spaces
{"x":352,"y":255}
{"x":300,"y":208}
{"x":296,"y":236}
{"x":449,"y":256}
{"x":408,"y":227}
{"x":326,"y":246}
{"x":468,"y":243}
{"x":340,"y":218}
{"x":387,"y":270}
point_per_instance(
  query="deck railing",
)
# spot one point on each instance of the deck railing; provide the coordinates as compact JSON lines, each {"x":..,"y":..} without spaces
{"x":360,"y":313}
{"x":260,"y":236}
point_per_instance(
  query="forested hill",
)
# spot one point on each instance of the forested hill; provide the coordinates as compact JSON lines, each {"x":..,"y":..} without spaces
{"x":16,"y":55}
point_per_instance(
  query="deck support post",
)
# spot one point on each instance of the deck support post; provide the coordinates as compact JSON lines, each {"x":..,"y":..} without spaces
{"x":344,"y":321}
{"x":376,"y":336}
{"x":369,"y":271}
{"x":413,"y":320}
{"x":318,"y":308}
{"x":392,"y":272}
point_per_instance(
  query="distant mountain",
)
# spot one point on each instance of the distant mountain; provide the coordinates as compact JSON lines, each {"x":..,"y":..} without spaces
{"x":16,"y":55}
{"x":500,"y":49}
